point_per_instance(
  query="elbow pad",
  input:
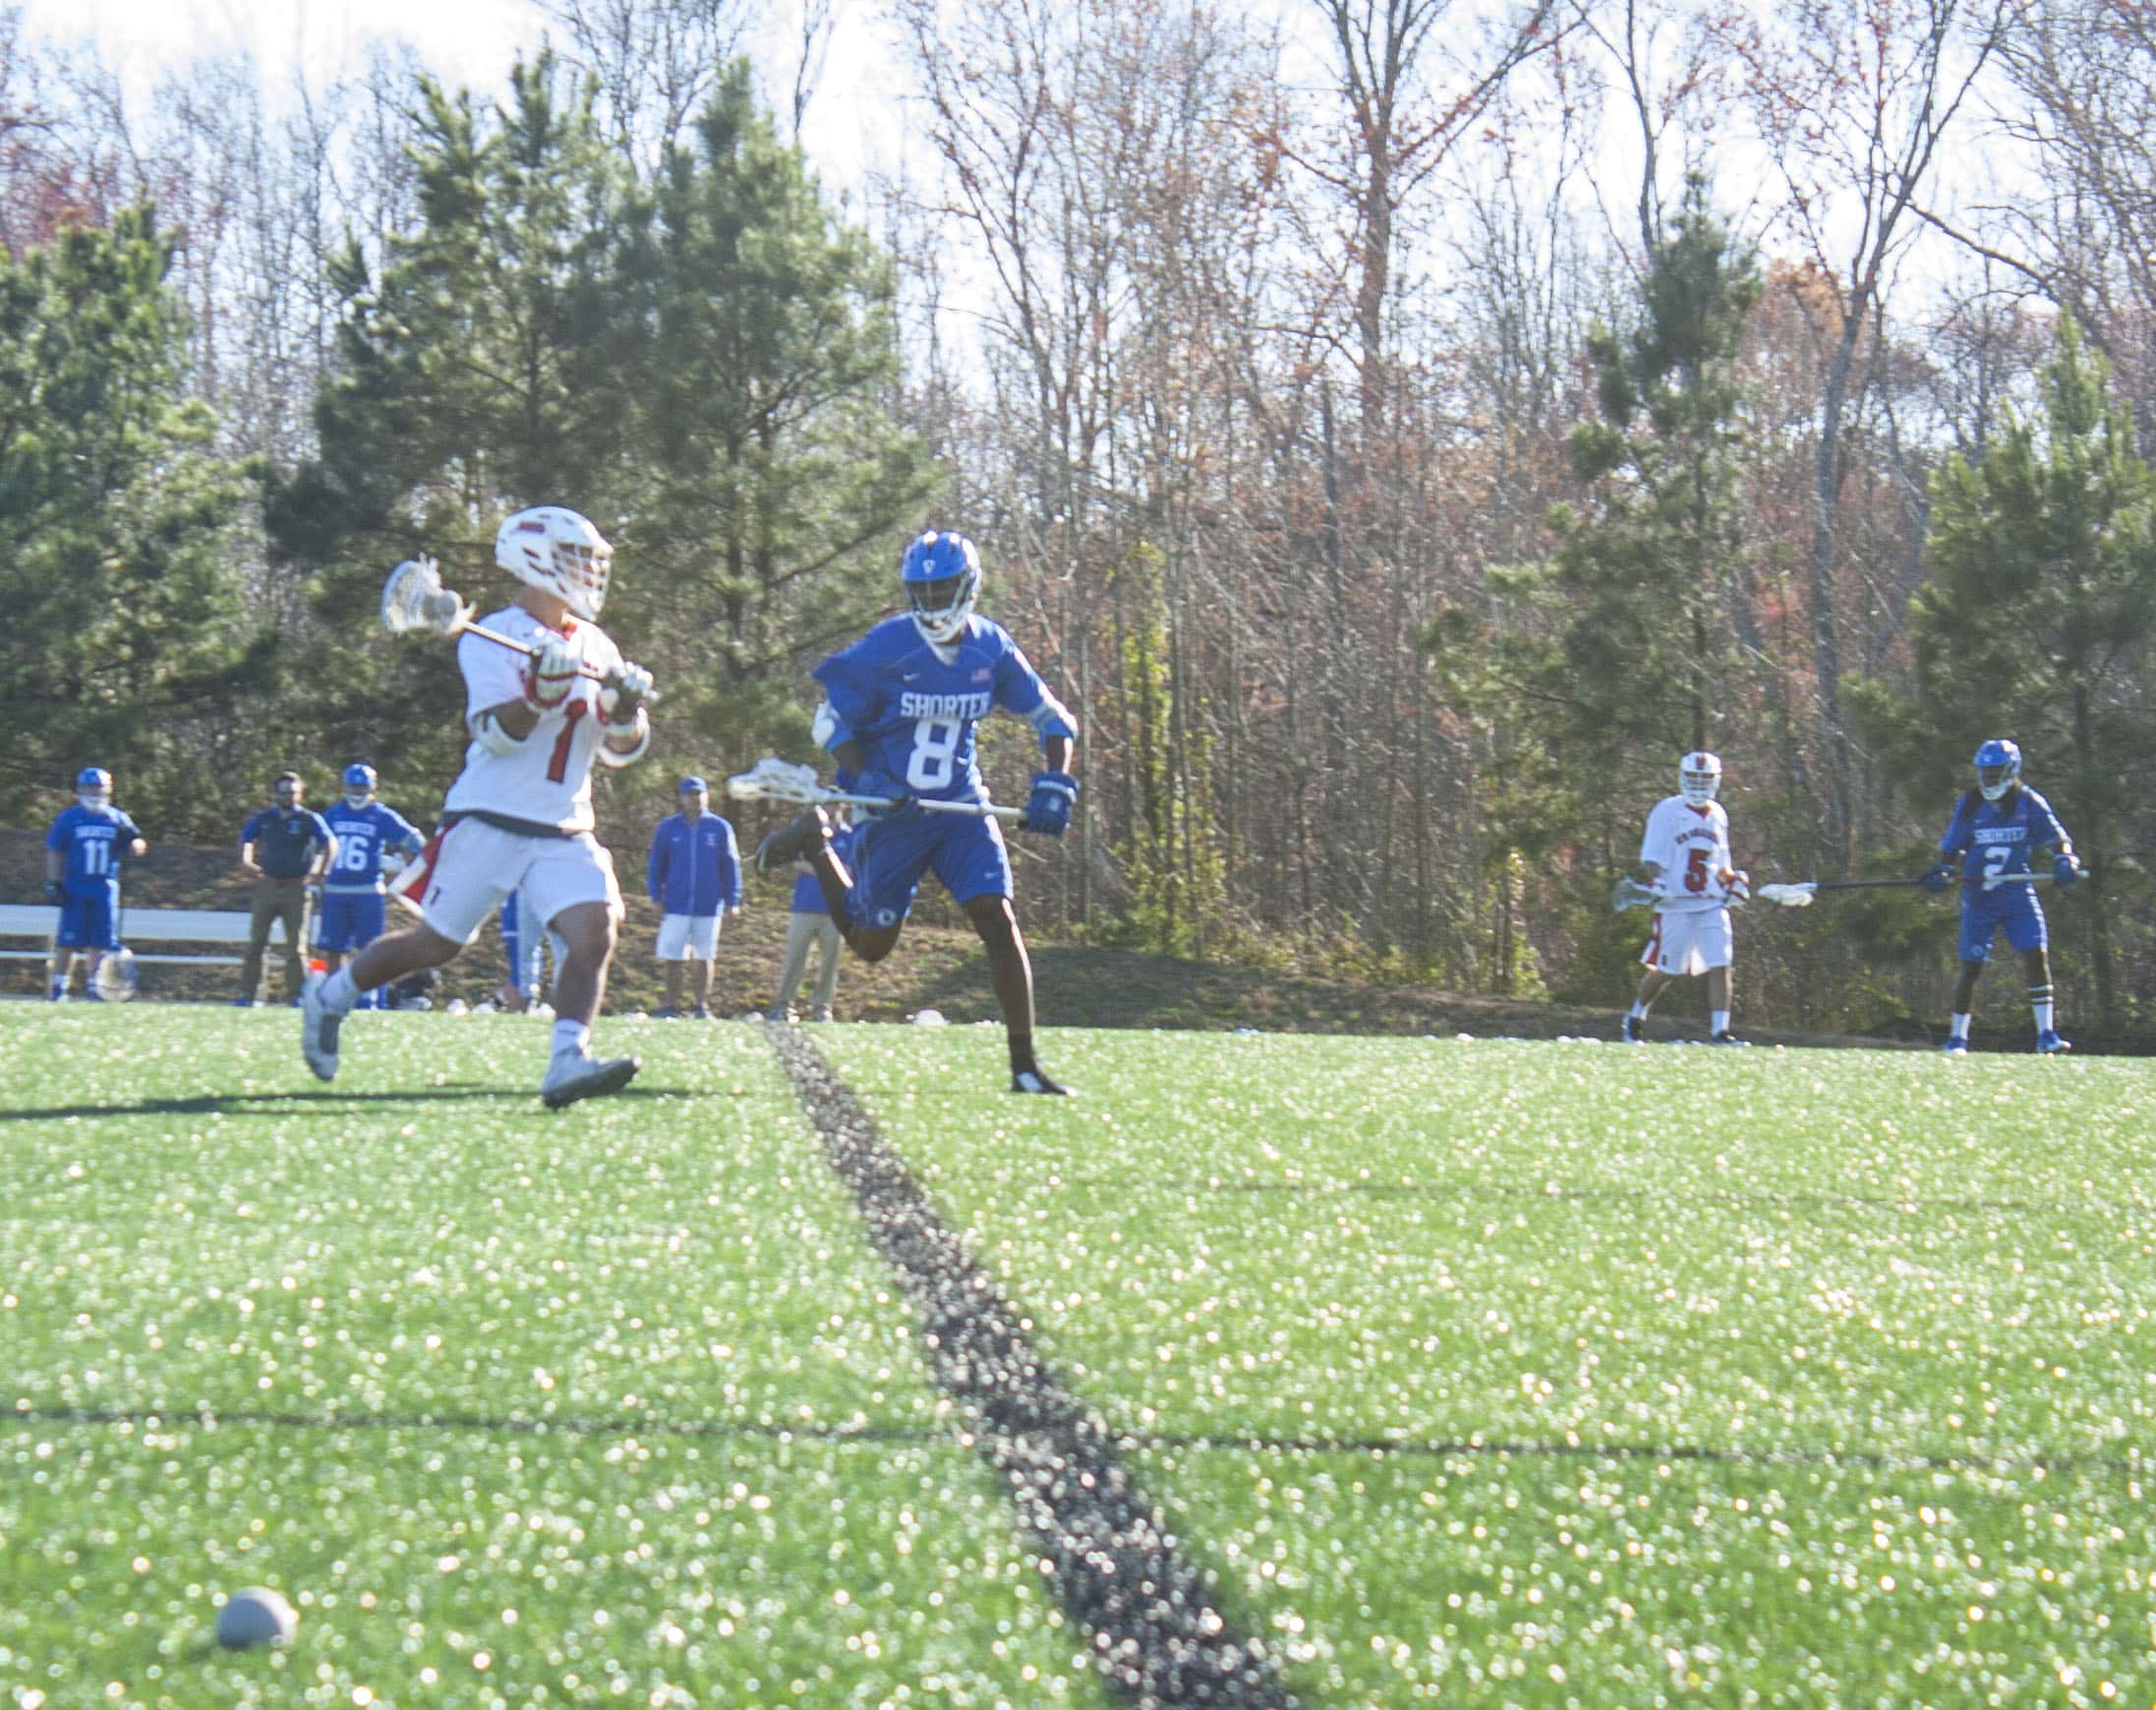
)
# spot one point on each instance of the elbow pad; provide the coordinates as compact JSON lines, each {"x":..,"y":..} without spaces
{"x":620,"y":757}
{"x":827,"y":728}
{"x":488,"y":732}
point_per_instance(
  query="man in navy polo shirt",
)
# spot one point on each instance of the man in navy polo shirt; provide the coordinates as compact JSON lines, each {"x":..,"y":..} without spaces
{"x":287,"y":848}
{"x":694,"y":875}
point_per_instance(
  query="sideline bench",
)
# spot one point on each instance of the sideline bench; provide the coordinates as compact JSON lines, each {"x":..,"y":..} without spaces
{"x":41,"y":920}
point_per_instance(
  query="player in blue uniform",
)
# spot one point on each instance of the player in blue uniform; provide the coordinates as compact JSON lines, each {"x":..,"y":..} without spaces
{"x":1997,"y":832}
{"x":83,"y":852}
{"x":899,"y":713}
{"x":355,"y":909}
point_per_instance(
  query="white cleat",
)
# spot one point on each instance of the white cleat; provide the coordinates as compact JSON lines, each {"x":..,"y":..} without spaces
{"x":572,"y":1075}
{"x":319,"y":1028}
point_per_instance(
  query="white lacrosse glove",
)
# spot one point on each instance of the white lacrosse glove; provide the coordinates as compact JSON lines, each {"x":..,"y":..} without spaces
{"x":1736,"y":887}
{"x":623,"y":693}
{"x":552,"y":674}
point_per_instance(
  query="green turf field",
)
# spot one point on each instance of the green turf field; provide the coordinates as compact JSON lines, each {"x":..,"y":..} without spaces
{"x":1477,"y":1374}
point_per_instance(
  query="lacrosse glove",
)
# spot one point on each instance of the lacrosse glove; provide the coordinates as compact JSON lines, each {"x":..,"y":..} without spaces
{"x":56,"y":893}
{"x":1048,"y":808}
{"x":877,"y":782}
{"x":621,"y":695}
{"x":551,"y":675}
{"x":2065,"y":870}
{"x":1938,"y":879}
{"x":1737,"y":888}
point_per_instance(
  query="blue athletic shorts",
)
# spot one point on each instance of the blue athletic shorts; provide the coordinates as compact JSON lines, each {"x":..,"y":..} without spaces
{"x":91,"y":921}
{"x":2012,"y":908}
{"x":891,"y":854}
{"x":350,"y":920}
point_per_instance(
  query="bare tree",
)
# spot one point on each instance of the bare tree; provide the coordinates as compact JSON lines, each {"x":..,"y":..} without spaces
{"x":655,"y":61}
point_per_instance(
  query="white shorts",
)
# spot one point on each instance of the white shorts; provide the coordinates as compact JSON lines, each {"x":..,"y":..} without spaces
{"x":481,"y":863}
{"x":1690,"y":941}
{"x":689,"y":937}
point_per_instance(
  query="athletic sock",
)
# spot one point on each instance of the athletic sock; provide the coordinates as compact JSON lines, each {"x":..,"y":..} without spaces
{"x":1718,"y":1020}
{"x":338,"y":993}
{"x":1638,"y":1010}
{"x":1959,"y":1029}
{"x":1022,"y":1054}
{"x":573,"y":1037}
{"x":57,"y":989}
{"x":2040,"y":1003}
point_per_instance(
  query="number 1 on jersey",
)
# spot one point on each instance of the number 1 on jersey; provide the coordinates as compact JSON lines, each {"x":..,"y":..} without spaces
{"x":558,"y":768}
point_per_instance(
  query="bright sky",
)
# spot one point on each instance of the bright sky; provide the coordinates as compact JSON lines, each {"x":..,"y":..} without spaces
{"x":464,"y":41}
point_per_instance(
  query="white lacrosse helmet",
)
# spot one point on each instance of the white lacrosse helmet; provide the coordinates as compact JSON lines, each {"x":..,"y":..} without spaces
{"x":1698,"y":776}
{"x":559,"y":550}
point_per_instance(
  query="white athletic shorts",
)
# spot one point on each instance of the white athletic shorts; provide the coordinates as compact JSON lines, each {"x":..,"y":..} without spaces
{"x":689,"y":937}
{"x":1690,"y":941}
{"x":481,"y":863}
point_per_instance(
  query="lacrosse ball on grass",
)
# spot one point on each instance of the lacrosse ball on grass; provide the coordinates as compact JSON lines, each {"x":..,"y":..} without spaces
{"x":929,"y":1018}
{"x":255,"y":1616}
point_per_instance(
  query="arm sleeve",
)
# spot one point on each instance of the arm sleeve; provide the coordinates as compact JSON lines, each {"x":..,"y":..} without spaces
{"x":492,"y":675}
{"x":1019,"y":689}
{"x":404,"y":832}
{"x":730,"y":867}
{"x":1956,"y":838}
{"x":322,"y":830}
{"x":251,"y":830}
{"x":58,"y":834}
{"x":1654,"y":842}
{"x":2052,"y":831}
{"x":655,"y":864}
{"x":852,"y":689}
{"x":830,"y":731}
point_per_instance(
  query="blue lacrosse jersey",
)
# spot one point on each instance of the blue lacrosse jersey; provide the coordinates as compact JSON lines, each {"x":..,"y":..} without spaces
{"x":94,"y":843}
{"x":912,"y":706}
{"x":1996,"y":838}
{"x":364,"y":836}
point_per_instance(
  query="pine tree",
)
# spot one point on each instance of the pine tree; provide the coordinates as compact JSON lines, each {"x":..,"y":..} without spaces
{"x":2038,"y":622}
{"x":128,"y":631}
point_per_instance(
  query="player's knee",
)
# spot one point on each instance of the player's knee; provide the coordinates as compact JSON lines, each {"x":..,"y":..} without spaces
{"x":872,"y":944}
{"x":993,"y":919}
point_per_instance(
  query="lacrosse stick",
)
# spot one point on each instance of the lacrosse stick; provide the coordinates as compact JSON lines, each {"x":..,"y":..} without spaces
{"x":1799,"y":895}
{"x":774,"y":780}
{"x":414,"y":599}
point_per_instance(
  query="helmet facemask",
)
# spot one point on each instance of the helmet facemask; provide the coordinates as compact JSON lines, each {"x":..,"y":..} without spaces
{"x":559,"y":551}
{"x":1699,"y":778}
{"x":941,"y":607}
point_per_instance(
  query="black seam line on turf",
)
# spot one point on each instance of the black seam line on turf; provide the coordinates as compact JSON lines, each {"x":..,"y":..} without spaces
{"x":1158,"y":1634}
{"x":1126,"y":1442}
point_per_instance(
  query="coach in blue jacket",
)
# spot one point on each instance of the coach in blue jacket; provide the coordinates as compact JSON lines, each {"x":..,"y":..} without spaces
{"x":694,"y":875}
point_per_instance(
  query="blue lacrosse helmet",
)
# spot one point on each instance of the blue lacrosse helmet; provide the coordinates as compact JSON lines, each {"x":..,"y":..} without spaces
{"x":1998,"y":765}
{"x":359,"y":779}
{"x":94,"y":780}
{"x":942,"y":574}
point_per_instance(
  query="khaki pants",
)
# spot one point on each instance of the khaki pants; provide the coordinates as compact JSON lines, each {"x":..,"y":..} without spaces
{"x":275,"y":900}
{"x":803,"y":929}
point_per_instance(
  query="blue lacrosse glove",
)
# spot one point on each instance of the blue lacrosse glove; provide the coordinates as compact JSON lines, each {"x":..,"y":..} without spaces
{"x":877,"y":782}
{"x":1048,"y":808}
{"x":56,"y":893}
{"x":1938,"y":879}
{"x":2065,"y":870}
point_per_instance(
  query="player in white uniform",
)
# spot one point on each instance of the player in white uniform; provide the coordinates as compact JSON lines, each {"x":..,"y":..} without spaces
{"x":1685,"y":856}
{"x":520,"y":812}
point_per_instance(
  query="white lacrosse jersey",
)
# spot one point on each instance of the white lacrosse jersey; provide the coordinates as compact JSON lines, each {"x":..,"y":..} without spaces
{"x":1691,"y":846}
{"x":546,"y":779}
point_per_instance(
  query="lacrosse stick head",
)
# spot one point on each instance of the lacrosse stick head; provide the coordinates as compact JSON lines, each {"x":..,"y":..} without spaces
{"x":1789,"y":896}
{"x":1631,"y":894}
{"x":772,"y":779}
{"x":414,"y":599}
{"x":117,"y":978}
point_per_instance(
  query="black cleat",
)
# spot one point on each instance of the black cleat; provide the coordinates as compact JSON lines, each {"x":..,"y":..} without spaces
{"x":1033,"y":1081}
{"x":1727,"y":1038}
{"x":1632,"y":1035}
{"x":792,"y":841}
